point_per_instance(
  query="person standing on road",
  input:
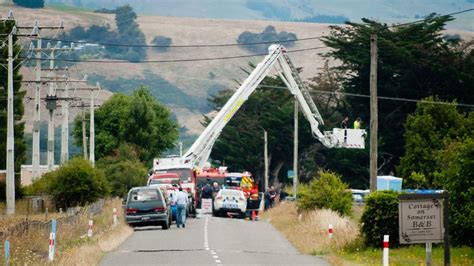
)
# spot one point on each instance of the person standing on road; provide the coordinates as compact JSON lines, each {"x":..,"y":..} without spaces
{"x":215,"y":189}
{"x":207,"y":191}
{"x":182,"y":203}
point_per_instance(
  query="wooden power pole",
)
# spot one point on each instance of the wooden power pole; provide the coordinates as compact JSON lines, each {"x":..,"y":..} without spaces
{"x":373,"y":112}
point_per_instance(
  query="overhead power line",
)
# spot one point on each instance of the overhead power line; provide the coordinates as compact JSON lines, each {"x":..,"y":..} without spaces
{"x":378,"y":97}
{"x":172,"y":60}
{"x":178,"y":46}
{"x":422,"y":20}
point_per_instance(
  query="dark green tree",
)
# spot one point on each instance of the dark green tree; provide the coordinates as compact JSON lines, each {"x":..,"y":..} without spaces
{"x":426,"y":133}
{"x":30,"y":3}
{"x":139,"y":120}
{"x":128,"y":33}
{"x":18,"y":107}
{"x":457,"y":177}
{"x":123,"y":170}
{"x":415,"y":61}
{"x":240,"y":144}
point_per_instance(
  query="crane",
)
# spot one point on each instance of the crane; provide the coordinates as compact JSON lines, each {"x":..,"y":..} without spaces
{"x":277,"y":59}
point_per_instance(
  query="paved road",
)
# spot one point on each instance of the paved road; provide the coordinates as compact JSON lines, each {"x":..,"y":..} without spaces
{"x":209,"y":241}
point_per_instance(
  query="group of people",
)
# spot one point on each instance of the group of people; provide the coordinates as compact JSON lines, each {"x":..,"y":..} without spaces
{"x":357,"y":123}
{"x":208,"y":191}
{"x":271,"y":196}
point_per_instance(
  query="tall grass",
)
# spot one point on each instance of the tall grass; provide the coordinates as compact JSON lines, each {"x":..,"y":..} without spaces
{"x":31,"y":248}
{"x":308,"y":231}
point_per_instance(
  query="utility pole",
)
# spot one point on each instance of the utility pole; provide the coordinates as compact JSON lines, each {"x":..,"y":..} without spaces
{"x":84,"y":137}
{"x":65,"y":125}
{"x":51,"y":106}
{"x":373,"y":112}
{"x":92,"y":129}
{"x":36,"y":117}
{"x":10,"y":186}
{"x":265,"y":160}
{"x":295,"y":152}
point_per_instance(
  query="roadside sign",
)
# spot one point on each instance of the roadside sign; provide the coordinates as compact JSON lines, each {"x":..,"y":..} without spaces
{"x":206,"y":206}
{"x":421,"y":219}
{"x":291,"y":174}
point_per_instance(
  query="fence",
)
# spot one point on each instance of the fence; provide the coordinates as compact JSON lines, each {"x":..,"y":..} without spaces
{"x":71,"y":216}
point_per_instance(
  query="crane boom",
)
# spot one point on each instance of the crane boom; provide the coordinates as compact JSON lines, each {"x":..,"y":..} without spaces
{"x":277,"y":59}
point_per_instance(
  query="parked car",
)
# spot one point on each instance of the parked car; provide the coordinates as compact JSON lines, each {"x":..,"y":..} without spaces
{"x":230,"y":201}
{"x":147,"y":206}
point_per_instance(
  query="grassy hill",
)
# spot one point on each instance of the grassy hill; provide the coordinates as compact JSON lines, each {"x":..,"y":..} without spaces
{"x":283,"y":10}
{"x":183,"y":86}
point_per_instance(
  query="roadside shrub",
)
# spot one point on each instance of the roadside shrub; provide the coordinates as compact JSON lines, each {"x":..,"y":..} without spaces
{"x":327,"y":192}
{"x":123,"y":170}
{"x":380,"y":218}
{"x":75,"y":183}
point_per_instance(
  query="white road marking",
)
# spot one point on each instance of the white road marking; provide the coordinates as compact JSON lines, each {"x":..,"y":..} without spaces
{"x":206,"y":242}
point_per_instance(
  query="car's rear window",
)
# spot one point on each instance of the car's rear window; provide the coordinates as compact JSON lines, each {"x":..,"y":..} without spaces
{"x":231,"y":192}
{"x":145,"y":195}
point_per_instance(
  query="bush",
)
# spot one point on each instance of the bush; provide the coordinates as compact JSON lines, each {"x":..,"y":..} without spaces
{"x":163,"y":43}
{"x":327,"y":192}
{"x":123,"y":170}
{"x":75,"y":183}
{"x":269,"y":34}
{"x":380,"y":218}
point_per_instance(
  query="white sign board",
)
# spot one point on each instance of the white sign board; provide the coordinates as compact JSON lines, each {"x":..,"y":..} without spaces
{"x":206,"y":206}
{"x":421,"y":220}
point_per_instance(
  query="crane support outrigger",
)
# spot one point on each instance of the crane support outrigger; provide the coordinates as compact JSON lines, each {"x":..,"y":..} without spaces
{"x":279,"y":60}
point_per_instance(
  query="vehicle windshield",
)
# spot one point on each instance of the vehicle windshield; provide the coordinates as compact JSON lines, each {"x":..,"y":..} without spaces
{"x":233,"y":181}
{"x":164,"y":181}
{"x":202,"y":181}
{"x":144,"y":194}
{"x":184,"y":174}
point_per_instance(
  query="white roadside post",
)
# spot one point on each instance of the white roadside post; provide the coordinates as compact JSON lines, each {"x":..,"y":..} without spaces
{"x":52,"y":240}
{"x":330,"y":230}
{"x":6,"y":256}
{"x":385,"y":250}
{"x":114,"y":212}
{"x":89,"y":232}
{"x":428,"y":254}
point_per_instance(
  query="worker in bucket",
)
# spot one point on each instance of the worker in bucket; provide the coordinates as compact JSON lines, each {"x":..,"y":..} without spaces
{"x":357,"y":123}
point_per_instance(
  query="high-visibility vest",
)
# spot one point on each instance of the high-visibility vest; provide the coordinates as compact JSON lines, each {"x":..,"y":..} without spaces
{"x":356,"y":124}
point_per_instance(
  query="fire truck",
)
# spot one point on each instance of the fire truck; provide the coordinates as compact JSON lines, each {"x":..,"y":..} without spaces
{"x":277,"y":59}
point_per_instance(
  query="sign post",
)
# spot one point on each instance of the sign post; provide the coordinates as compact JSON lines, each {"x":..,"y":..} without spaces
{"x":423,"y":218}
{"x":52,"y":241}
{"x":6,"y":256}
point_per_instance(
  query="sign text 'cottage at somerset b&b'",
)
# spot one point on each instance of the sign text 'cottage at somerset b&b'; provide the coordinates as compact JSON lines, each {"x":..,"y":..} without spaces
{"x":421,"y":218}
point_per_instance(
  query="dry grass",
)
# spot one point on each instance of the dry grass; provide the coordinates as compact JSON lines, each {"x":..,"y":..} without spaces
{"x":73,"y":246}
{"x":310,"y":233}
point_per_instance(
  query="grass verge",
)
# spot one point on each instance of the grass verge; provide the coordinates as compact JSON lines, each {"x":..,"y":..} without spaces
{"x":309,"y":235}
{"x":73,"y":247}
